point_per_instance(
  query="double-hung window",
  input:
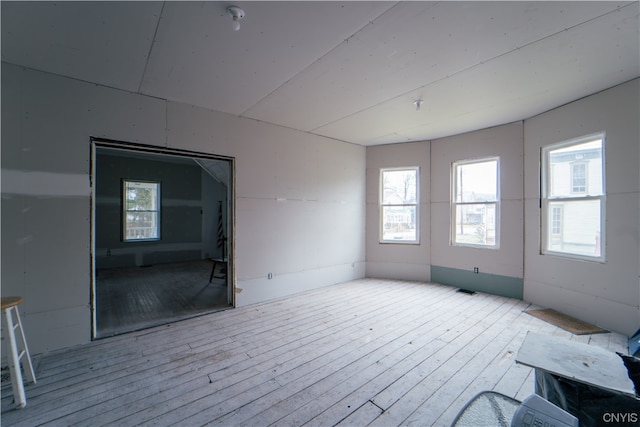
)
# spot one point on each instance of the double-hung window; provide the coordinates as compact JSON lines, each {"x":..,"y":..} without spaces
{"x":399,"y":205}
{"x":573,"y":198}
{"x":475,"y":203}
{"x":141,"y":210}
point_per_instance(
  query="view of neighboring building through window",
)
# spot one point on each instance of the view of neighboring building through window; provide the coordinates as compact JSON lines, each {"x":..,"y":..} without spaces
{"x":556,"y":220}
{"x":141,"y":210}
{"x":399,"y":205}
{"x":578,"y":177}
{"x":573,"y":198}
{"x":475,"y":203}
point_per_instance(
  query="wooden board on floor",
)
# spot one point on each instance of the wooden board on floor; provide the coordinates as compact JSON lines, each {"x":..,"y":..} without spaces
{"x":568,"y":323}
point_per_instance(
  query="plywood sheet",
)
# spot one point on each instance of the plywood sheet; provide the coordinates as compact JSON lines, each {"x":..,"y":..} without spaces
{"x":568,"y":323}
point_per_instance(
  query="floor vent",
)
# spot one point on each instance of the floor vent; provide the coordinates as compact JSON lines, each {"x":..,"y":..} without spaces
{"x":466,"y":291}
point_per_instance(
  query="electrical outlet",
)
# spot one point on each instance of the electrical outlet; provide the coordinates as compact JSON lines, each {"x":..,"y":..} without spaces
{"x":476,"y":270}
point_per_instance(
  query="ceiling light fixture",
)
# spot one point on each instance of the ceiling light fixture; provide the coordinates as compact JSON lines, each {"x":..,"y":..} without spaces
{"x":237,"y":14}
{"x":418,"y":104}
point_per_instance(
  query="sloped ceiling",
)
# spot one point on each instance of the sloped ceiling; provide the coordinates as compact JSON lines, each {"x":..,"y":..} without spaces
{"x":346,"y":70}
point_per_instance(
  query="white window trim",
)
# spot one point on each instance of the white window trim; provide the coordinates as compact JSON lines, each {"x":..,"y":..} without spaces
{"x":544,"y":200}
{"x":125,"y":211}
{"x":381,"y":206}
{"x":455,"y":204}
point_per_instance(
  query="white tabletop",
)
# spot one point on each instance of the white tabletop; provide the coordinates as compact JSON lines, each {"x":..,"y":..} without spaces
{"x":581,"y":362}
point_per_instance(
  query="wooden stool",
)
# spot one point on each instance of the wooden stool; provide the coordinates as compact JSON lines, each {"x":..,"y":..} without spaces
{"x":217,"y":261}
{"x":9,"y":307}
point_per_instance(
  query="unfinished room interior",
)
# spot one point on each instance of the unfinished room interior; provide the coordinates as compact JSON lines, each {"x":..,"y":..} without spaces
{"x":320,"y":213}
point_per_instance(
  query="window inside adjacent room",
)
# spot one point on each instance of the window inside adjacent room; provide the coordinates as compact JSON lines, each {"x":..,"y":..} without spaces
{"x":399,"y":205}
{"x":141,"y":210}
{"x":475,"y":203}
{"x":573,"y":198}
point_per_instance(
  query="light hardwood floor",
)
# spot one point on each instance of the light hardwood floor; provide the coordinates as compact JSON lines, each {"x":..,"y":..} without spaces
{"x":366,"y":352}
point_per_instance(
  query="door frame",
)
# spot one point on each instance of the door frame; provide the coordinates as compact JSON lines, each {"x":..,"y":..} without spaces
{"x":97,"y":143}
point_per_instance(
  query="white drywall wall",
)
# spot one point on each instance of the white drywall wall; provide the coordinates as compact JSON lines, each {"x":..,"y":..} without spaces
{"x":299,"y":198}
{"x":46,"y":125}
{"x":299,"y":201}
{"x":606,"y":294}
{"x":391,"y":260}
{"x":504,"y":142}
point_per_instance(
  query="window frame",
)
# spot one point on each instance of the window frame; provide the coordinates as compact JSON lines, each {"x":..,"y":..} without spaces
{"x":124,"y":210}
{"x":382,"y":205}
{"x":573,"y":196}
{"x":453,"y":241}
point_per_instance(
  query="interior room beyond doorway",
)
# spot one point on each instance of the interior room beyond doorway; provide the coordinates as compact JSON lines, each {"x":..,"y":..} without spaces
{"x":160,"y":236}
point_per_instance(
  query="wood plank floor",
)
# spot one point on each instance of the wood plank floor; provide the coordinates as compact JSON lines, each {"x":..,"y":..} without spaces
{"x":366,"y":352}
{"x":134,"y":298}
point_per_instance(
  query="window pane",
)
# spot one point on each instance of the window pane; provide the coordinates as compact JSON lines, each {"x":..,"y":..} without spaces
{"x":399,"y":187}
{"x":399,"y":223}
{"x":476,"y":224}
{"x":139,"y":199}
{"x":477,"y":182}
{"x":141,"y":210}
{"x":574,"y":227}
{"x":142,"y":225}
{"x":575,"y":170}
{"x":142,"y":196}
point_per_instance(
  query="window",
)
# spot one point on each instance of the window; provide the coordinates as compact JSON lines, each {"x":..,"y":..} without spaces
{"x":556,"y":220}
{"x":579,"y":177}
{"x":475,"y":202}
{"x":399,"y":205}
{"x":141,"y":210}
{"x":573,"y":198}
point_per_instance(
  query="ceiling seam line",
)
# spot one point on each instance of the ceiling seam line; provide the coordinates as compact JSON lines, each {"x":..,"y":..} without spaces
{"x":292,"y":129}
{"x":617,"y":9}
{"x":168,"y":100}
{"x":77,"y":79}
{"x":153,"y":42}
{"x":242,"y":114}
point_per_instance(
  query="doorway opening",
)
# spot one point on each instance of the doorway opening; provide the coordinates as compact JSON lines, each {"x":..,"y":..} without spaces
{"x":162,"y":236}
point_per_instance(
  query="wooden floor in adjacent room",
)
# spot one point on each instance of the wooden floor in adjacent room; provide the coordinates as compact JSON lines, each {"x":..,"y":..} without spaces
{"x":134,"y":298}
{"x":366,"y":352}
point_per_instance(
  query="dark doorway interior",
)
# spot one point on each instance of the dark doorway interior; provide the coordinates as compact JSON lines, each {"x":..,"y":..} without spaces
{"x":135,"y":298}
{"x":154,"y":257}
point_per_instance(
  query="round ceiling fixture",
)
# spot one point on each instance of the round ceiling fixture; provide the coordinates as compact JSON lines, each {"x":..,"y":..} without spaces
{"x":237,"y":14}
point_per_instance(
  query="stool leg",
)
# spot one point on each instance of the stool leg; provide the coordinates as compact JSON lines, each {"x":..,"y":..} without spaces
{"x":29,"y":374}
{"x":213,"y":270}
{"x":14,"y":363}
